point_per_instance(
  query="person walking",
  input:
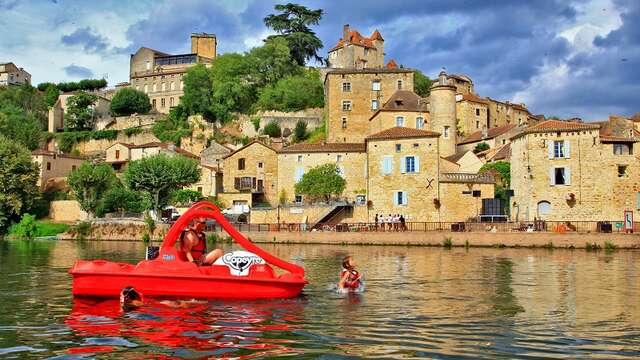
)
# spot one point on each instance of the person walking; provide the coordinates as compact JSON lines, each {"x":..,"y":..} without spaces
{"x":390,"y":222}
{"x":403,"y":224}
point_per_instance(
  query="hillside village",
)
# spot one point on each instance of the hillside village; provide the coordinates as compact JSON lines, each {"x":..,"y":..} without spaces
{"x":427,"y":158}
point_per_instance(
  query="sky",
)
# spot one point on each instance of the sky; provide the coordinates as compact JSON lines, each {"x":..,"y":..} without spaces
{"x":566,"y":58}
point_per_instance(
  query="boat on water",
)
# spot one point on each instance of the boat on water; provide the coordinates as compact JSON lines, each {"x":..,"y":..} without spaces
{"x":247,"y":274}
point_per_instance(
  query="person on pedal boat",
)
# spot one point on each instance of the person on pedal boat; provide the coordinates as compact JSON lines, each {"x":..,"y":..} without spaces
{"x":193,"y":244}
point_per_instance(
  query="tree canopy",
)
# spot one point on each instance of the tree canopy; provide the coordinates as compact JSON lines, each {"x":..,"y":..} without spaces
{"x":503,"y":169}
{"x":18,"y":178}
{"x":272,"y":129}
{"x":293,"y":93}
{"x":90,"y":182}
{"x":86,"y":84}
{"x":79,"y":114}
{"x":293,"y":24}
{"x":481,"y":147}
{"x":321,"y":182}
{"x":421,"y":84}
{"x":129,"y":101}
{"x":300,"y":132}
{"x":22,"y":127}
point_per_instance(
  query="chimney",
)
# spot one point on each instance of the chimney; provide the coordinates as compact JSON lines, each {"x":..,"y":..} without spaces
{"x":345,"y":32}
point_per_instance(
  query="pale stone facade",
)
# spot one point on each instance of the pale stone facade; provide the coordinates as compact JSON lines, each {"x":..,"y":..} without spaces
{"x":252,"y":170}
{"x":10,"y":74}
{"x":353,"y":96}
{"x":467,"y":162}
{"x":472,"y":113}
{"x":442,"y":107}
{"x":571,"y":171}
{"x":354,"y":51}
{"x":120,"y":154}
{"x":54,"y":165}
{"x":66,"y":211}
{"x":463,"y":83}
{"x":159,"y":75}
{"x":101,"y":113}
{"x":405,"y":108}
{"x":494,"y":137}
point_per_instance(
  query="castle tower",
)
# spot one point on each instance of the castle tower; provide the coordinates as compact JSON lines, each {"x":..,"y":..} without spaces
{"x":443,"y":114}
{"x":203,"y":44}
{"x":378,"y":43}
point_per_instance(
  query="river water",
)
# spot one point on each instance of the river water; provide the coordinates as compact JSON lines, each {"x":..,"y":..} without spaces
{"x":419,"y":302}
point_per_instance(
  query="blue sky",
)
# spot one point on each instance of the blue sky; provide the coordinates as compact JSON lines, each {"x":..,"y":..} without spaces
{"x":567,"y":58}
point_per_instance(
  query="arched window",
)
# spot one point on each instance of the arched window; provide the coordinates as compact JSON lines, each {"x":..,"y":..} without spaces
{"x":544,"y":208}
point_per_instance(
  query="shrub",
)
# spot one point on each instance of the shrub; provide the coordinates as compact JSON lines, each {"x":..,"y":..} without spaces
{"x":133,"y":131}
{"x":447,"y":243}
{"x":145,"y":237}
{"x":592,"y":246}
{"x":609,"y":245}
{"x":26,"y":228}
{"x":82,"y":229}
{"x":272,"y":130}
{"x":256,"y":123}
{"x":300,"y":131}
{"x":293,"y":93}
{"x":151,"y":224}
{"x":481,"y":147}
{"x":129,"y":101}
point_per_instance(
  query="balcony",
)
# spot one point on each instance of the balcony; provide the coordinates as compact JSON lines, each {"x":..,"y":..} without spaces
{"x":249,"y":184}
{"x":467,"y":178}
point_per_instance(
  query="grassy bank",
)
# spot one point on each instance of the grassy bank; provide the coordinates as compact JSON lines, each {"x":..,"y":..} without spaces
{"x":42,"y":228}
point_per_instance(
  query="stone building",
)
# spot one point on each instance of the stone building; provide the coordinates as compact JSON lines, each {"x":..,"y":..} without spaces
{"x":354,"y":51}
{"x":467,"y":161}
{"x":574,"y":171}
{"x":159,"y":75}
{"x":494,"y":137}
{"x":120,"y":154}
{"x":54,"y":165}
{"x":472,"y":113}
{"x":505,"y":113}
{"x":352,"y":96}
{"x":442,"y":107}
{"x":299,"y":158}
{"x":100,"y":109}
{"x":404,"y":108}
{"x":10,"y":74}
{"x":463,"y":84}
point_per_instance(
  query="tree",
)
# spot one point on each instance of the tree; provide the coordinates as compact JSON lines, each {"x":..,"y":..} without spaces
{"x":198,"y":90}
{"x":90,"y":182}
{"x":119,"y":199}
{"x":129,"y":101}
{"x":321,"y":182}
{"x":26,"y":98}
{"x":481,"y":147}
{"x":185,"y":197}
{"x":18,"y":178}
{"x":421,"y":84}
{"x":160,"y":175}
{"x":271,"y":62}
{"x":233,"y":89}
{"x":503,"y":169}
{"x":293,"y":93}
{"x":50,"y":96}
{"x":256,"y":123}
{"x":292,"y":24}
{"x":272,"y":130}
{"x":79,"y":114}
{"x":18,"y":125}
{"x":300,"y":131}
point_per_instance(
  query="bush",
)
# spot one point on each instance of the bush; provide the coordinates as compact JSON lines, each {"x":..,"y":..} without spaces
{"x":481,"y":147}
{"x":120,"y":199}
{"x":174,"y":127}
{"x":447,"y":243}
{"x":300,"y":132}
{"x":256,"y":123}
{"x":609,"y":245}
{"x":273,"y":130}
{"x":25,"y":229}
{"x":82,"y":229}
{"x":129,"y":101}
{"x":133,"y":131}
{"x":293,"y":93}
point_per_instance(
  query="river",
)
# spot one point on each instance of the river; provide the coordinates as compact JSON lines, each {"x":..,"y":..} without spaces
{"x":419,"y":302}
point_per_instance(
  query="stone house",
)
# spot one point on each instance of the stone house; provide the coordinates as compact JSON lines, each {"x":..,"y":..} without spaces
{"x":467,"y":162}
{"x":354,"y":51}
{"x":504,"y":113}
{"x":101,"y":113}
{"x":472,"y":113}
{"x":214,"y":154}
{"x":494,"y":137}
{"x":574,"y":171}
{"x":299,"y":158}
{"x":10,"y":74}
{"x":500,"y":153}
{"x":54,"y":165}
{"x":463,"y":84}
{"x":159,"y":74}
{"x":120,"y":154}
{"x":404,"y":108}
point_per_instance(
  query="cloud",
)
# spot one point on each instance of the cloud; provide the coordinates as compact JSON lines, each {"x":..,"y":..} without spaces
{"x":87,"y":39}
{"x":76,"y":71}
{"x":8,"y":4}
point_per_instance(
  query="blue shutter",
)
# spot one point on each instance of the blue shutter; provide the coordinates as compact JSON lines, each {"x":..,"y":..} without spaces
{"x":403,"y":164}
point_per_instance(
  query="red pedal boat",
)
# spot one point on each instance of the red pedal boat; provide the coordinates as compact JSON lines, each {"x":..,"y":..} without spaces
{"x":239,"y":275}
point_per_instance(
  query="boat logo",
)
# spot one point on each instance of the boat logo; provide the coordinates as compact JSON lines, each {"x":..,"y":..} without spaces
{"x":168,"y":257}
{"x":239,"y":262}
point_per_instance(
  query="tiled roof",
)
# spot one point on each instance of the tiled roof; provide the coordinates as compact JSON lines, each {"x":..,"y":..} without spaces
{"x":161,"y":145}
{"x":460,"y":77}
{"x":491,"y":133}
{"x":618,"y":129}
{"x":326,"y":147}
{"x":369,"y":71}
{"x":557,"y":126}
{"x":503,"y":153}
{"x":392,"y":64}
{"x":246,"y":146}
{"x":403,"y":100}
{"x":355,"y":38}
{"x":51,"y":153}
{"x":474,"y":98}
{"x":455,"y":157}
{"x":402,"y":133}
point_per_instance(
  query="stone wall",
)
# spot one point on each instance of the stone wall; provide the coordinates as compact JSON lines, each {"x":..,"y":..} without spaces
{"x":66,"y":211}
{"x":286,"y":120}
{"x":55,"y":166}
{"x":387,"y":119}
{"x":472,"y":116}
{"x":134,"y":121}
{"x":261,"y":163}
{"x":309,"y":214}
{"x":458,"y":206}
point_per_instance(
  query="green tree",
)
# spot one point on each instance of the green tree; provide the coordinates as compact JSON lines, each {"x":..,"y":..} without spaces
{"x":256,"y":123}
{"x":198,"y":90}
{"x":26,"y":98}
{"x":503,"y":170}
{"x":272,"y":130}
{"x":292,"y":24}
{"x":185,"y":197}
{"x":300,"y":132}
{"x":20,"y":126}
{"x":90,"y":182}
{"x":18,"y":178}
{"x":234,"y":90}
{"x":160,"y":175}
{"x":293,"y":93}
{"x":26,"y":229}
{"x":50,"y":95}
{"x":421,"y":84}
{"x":481,"y":147}
{"x":79,"y":114}
{"x":271,"y":62}
{"x":321,"y":182}
{"x":119,"y":199}
{"x":129,"y":101}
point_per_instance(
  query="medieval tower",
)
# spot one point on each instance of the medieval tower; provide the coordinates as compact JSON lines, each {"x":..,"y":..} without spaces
{"x":443,"y":114}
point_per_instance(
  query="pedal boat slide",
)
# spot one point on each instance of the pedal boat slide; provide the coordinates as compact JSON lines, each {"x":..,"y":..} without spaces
{"x":238,"y":275}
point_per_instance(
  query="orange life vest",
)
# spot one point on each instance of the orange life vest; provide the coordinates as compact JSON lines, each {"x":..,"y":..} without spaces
{"x":198,"y":250}
{"x":353,"y":280}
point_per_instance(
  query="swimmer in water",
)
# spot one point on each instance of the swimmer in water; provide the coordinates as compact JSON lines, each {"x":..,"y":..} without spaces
{"x":130,"y":298}
{"x":349,"y":277}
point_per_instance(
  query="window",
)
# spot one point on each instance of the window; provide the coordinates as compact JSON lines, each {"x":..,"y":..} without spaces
{"x":299,"y":158}
{"x":241,"y":164}
{"x":260,"y":165}
{"x":299,"y":173}
{"x":346,"y":86}
{"x":344,"y":123}
{"x":162,"y":102}
{"x":560,"y":176}
{"x":298,"y":199}
{"x":622,"y":171}
{"x":146,"y":88}
{"x":173,"y":86}
{"x":73,"y":168}
{"x":338,"y":158}
{"x":399,"y":84}
{"x":398,"y":147}
{"x":153,"y":103}
{"x":544,"y":208}
{"x":400,"y":198}
{"x":200,"y":189}
{"x":341,"y":170}
{"x":622,"y":149}
{"x":419,"y":122}
{"x":446,"y":132}
{"x":154,"y":87}
{"x":48,"y":166}
{"x":375,"y":85}
{"x":164,"y":86}
{"x":410,"y":165}
{"x":399,"y":121}
{"x":117,"y":154}
{"x":504,"y":141}
{"x":387,"y":165}
{"x":170,"y":102}
{"x":346,"y":105}
{"x":477,"y":124}
{"x":374,"y":104}
{"x":558,"y":149}
{"x":477,"y":112}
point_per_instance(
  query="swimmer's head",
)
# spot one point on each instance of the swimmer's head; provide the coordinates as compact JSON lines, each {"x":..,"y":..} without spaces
{"x":348,"y":263}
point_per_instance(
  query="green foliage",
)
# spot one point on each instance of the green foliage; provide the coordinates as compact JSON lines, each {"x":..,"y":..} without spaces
{"x":609,"y":245}
{"x":86,"y":84}
{"x":26,"y":98}
{"x":300,"y":132}
{"x":160,"y":175}
{"x":19,"y":175}
{"x":216,"y":202}
{"x":321,"y":182}
{"x":82,"y":229}
{"x":133,"y":131}
{"x":503,"y":169}
{"x":592,"y":246}
{"x":272,"y":130}
{"x":256,"y":123}
{"x":421,"y":84}
{"x":318,"y":134}
{"x":174,"y":127}
{"x":481,"y":147}
{"x":234,"y":89}
{"x":129,"y":101}
{"x":50,"y":95}
{"x":67,"y":140}
{"x":121,"y":199}
{"x":45,"y":85}
{"x":293,"y":93}
{"x":271,"y":62}
{"x":79,"y":114}
{"x":185,"y":197}
{"x":447,"y":243}
{"x":20,"y":126}
{"x":146,"y":238}
{"x":198,"y":87}
{"x":292,"y":24}
{"x":151,"y":224}
{"x":25,"y":229}
{"x":90,"y":183}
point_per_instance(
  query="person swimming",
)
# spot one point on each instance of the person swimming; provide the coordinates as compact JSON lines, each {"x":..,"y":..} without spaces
{"x":349,"y":277}
{"x":130,"y":298}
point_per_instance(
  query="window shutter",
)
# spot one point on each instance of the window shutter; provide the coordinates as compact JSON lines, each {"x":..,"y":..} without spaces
{"x":552,"y":175}
{"x":236,"y":183}
{"x":550,"y":143}
{"x":567,"y":149}
{"x":567,"y":175}
{"x":405,"y":200}
{"x":417,"y":162}
{"x":395,"y":198}
{"x":299,"y":173}
{"x":387,"y":165}
{"x":383,"y":166}
{"x":403,"y":164}
{"x":638,"y":200}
